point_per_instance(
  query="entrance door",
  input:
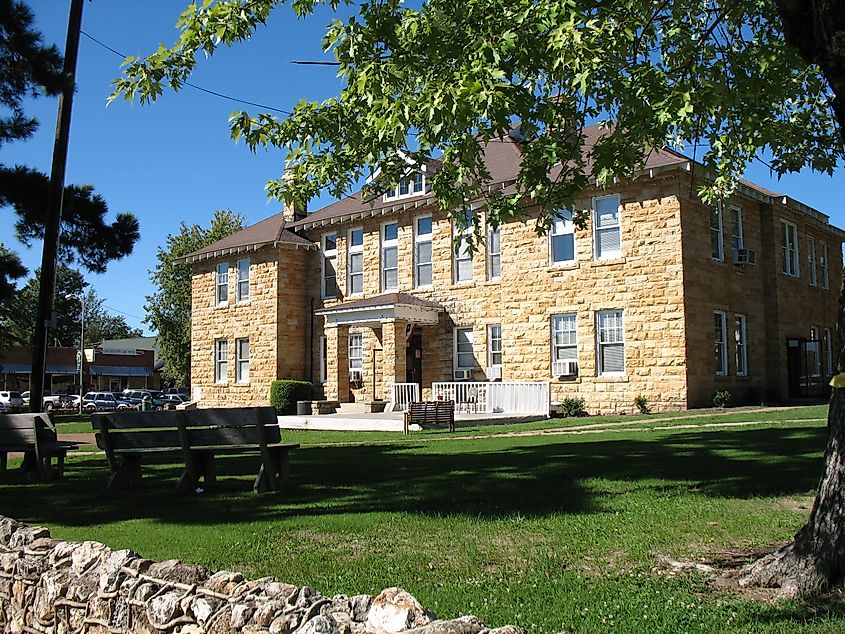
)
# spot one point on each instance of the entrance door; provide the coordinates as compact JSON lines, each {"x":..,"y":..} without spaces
{"x":413,"y":360}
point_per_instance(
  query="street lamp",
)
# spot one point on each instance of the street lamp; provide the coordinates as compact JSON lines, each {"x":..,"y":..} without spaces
{"x":81,"y":342}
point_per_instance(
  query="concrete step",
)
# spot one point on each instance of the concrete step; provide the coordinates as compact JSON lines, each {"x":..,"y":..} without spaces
{"x":351,"y":408}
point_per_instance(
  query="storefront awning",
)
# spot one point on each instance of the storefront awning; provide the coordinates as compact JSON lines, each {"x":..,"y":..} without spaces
{"x":26,"y":368}
{"x":119,"y":370}
{"x":372,"y":311}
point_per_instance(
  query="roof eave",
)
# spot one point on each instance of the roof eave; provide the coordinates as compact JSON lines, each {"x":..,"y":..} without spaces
{"x":193,"y":258}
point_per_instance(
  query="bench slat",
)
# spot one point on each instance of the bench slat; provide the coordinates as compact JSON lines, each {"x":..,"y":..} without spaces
{"x":137,"y":420}
{"x":153,"y":439}
{"x":231,"y":416}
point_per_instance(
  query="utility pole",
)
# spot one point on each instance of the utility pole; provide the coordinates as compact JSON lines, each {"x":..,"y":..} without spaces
{"x":52,"y":226}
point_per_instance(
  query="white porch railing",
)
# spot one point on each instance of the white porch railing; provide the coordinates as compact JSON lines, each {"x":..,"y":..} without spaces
{"x":512,"y":397}
{"x":403,"y":393}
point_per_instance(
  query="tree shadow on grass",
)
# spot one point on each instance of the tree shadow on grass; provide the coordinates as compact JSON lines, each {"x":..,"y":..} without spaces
{"x":488,"y":478}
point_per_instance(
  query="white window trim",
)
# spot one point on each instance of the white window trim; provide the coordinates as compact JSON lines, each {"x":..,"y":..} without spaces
{"x":350,"y":251}
{"x":388,"y":244}
{"x":324,"y":349}
{"x":360,"y":360}
{"x":567,"y":224}
{"x":553,"y":331}
{"x":419,"y":239}
{"x":740,"y":225}
{"x":491,"y":253}
{"x":825,"y":265}
{"x":741,"y":345}
{"x":815,"y":335}
{"x":218,"y":286}
{"x":457,"y":232}
{"x":796,"y":260}
{"x":239,"y":362}
{"x":599,"y":344}
{"x":723,"y":370}
{"x":613,"y":254}
{"x":720,"y":236}
{"x":330,"y":254}
{"x":239,"y":296}
{"x":455,"y":347}
{"x":490,"y":350}
{"x":411,"y":177}
{"x":811,"y":261}
{"x":221,"y":378}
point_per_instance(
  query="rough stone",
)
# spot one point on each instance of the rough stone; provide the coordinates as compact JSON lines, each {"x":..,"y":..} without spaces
{"x":395,"y":610}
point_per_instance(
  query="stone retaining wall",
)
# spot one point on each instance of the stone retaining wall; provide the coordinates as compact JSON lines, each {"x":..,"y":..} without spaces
{"x":55,"y":587}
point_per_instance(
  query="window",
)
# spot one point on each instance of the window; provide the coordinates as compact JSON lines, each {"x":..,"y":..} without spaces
{"x":824,"y":264}
{"x":717,"y":249}
{"x":789,"y":241}
{"x":389,"y":256}
{"x":741,"y":347}
{"x":562,"y":239}
{"x":410,"y":185}
{"x":494,"y":253}
{"x":242,"y":360}
{"x":355,"y":274}
{"x":564,"y":339}
{"x":329,"y":276}
{"x":814,"y":356}
{"x":828,"y":352}
{"x":422,"y":251}
{"x":222,"y":286}
{"x":356,"y":351}
{"x":721,"y":338}
{"x":611,"y":342}
{"x":464,"y":355}
{"x":221,"y":360}
{"x":737,"y":237}
{"x":811,"y":260}
{"x":242,"y":292}
{"x":608,"y":227}
{"x":494,"y":345}
{"x":324,"y":359}
{"x":463,"y":259}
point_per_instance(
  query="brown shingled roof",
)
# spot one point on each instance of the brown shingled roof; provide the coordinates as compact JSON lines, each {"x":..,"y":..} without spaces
{"x":387,"y":299}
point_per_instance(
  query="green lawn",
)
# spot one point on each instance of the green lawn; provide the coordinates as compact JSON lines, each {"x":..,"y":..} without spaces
{"x":550,"y":532}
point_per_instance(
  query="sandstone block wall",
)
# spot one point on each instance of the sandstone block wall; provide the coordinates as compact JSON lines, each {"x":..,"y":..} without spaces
{"x":54,"y":587}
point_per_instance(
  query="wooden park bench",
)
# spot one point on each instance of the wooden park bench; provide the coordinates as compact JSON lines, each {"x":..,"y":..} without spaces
{"x":430,"y":413}
{"x":34,"y":435}
{"x":198,"y":435}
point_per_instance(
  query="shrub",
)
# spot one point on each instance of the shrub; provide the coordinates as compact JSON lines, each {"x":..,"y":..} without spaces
{"x":285,"y":393}
{"x":642,"y":404}
{"x":722,"y":398}
{"x":571,"y":407}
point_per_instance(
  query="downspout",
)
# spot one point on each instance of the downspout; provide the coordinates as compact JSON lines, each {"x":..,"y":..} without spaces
{"x":311,"y":342}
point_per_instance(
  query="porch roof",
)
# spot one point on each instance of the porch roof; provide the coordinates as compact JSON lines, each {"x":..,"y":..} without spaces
{"x":382,"y":308}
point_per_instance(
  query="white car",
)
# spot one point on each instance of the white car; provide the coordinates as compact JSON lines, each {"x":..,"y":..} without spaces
{"x":12,"y":400}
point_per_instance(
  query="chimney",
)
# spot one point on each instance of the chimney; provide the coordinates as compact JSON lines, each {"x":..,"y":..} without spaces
{"x":294,"y":211}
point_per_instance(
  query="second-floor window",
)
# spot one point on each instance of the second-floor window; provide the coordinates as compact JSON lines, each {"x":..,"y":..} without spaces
{"x":717,"y":248}
{"x":329,"y":286}
{"x":737,"y":234}
{"x":355,"y":266}
{"x":242,"y":292}
{"x":494,"y":253}
{"x":608,"y":227}
{"x":824,"y":266}
{"x":720,"y":328}
{"x":562,"y":239}
{"x":390,"y":256}
{"x":242,"y":360}
{"x":422,"y":251}
{"x":789,"y":247}
{"x":463,"y":260}
{"x":811,"y":260}
{"x":221,"y":360}
{"x":221,"y":292}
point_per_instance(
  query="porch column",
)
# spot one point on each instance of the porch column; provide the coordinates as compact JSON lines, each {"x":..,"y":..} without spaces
{"x":394,"y":361}
{"x":337,"y":357}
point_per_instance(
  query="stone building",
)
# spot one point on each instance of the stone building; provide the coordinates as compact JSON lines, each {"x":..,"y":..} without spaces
{"x":660,"y":296}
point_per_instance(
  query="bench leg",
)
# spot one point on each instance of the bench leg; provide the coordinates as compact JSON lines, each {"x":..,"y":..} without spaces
{"x":128,"y":474}
{"x":4,"y":457}
{"x":201,"y":465}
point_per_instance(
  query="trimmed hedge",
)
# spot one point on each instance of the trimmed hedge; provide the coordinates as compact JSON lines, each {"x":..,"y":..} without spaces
{"x":285,"y":393}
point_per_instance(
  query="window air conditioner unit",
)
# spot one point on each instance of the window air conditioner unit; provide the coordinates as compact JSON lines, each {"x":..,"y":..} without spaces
{"x":565,"y":368}
{"x":463,"y":375}
{"x":745,"y":256}
{"x":494,"y":372}
{"x":355,"y":376}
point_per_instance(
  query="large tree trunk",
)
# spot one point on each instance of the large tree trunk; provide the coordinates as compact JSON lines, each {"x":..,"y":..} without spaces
{"x":815,"y":560}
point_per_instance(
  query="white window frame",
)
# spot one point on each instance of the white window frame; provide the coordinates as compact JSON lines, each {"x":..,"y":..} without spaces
{"x":324,"y":359}
{"x":356,"y":345}
{"x":221,"y":284}
{"x":717,"y":237}
{"x":494,"y":256}
{"x":494,"y":345}
{"x":353,"y":250}
{"x":825,"y":264}
{"x":564,"y":337}
{"x":424,"y":238}
{"x":815,"y":336}
{"x":221,"y":361}
{"x":561,"y":227}
{"x":330,"y":255}
{"x":458,"y":353}
{"x":460,"y":251}
{"x":413,"y":184}
{"x":720,"y":332}
{"x":789,"y":248}
{"x":741,"y":344}
{"x":601,"y":343}
{"x":737,"y":229}
{"x":607,"y":229}
{"x":241,"y":361}
{"x":811,"y":260}
{"x":386,"y":246}
{"x":242,"y":286}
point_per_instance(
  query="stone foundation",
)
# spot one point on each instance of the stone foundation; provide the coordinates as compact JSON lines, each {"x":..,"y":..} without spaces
{"x":55,"y":587}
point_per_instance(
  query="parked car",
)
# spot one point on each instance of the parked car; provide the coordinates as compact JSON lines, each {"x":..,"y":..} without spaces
{"x":12,"y":400}
{"x":176,"y":399}
{"x":136,"y":396}
{"x":50,"y":401}
{"x":103,"y":401}
{"x":175,"y":390}
{"x":69,"y":402}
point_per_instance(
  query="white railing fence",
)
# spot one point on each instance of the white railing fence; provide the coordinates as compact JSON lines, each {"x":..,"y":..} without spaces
{"x":403,"y":393}
{"x":512,"y":397}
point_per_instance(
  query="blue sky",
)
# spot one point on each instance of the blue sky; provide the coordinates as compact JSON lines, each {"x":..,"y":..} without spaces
{"x":174,"y":161}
